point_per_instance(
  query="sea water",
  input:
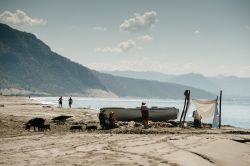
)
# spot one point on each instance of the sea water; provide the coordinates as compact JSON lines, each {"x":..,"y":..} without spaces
{"x":234,"y":112}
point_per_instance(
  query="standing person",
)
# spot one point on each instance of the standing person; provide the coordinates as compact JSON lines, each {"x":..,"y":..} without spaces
{"x":60,"y":102}
{"x":144,"y":114}
{"x":197,"y":119}
{"x":70,"y":102}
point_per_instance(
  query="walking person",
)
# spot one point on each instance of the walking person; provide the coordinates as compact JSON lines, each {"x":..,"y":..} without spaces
{"x":60,"y":102}
{"x":70,"y":102}
{"x":144,"y":113}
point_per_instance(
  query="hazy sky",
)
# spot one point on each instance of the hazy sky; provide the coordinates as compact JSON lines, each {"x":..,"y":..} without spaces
{"x":211,"y":37}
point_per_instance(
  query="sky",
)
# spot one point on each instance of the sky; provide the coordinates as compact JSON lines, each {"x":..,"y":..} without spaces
{"x":210,"y":37}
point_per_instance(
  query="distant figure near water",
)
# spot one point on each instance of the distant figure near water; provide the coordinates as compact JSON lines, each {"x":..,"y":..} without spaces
{"x":144,"y":113}
{"x":70,"y":102}
{"x":60,"y":102}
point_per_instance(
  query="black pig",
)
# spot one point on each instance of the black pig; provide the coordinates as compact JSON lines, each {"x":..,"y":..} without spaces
{"x":35,"y":122}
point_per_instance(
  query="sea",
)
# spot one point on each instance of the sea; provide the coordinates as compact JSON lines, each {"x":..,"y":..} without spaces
{"x":235,"y":112}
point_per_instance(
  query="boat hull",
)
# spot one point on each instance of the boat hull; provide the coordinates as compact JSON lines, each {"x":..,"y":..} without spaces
{"x":134,"y":114}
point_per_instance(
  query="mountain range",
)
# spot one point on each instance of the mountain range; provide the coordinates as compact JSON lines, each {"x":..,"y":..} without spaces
{"x":28,"y":66}
{"x":231,"y":86}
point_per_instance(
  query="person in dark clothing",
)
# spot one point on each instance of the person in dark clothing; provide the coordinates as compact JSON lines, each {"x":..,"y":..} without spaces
{"x":197,"y":119}
{"x":112,"y":120}
{"x":60,"y":102}
{"x":144,"y":113}
{"x":103,"y":118}
{"x":70,"y":102}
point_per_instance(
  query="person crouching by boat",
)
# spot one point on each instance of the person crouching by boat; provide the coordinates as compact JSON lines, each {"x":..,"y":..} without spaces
{"x":197,"y":119}
{"x":103,"y":118}
{"x":112,"y":120}
{"x":144,"y":114}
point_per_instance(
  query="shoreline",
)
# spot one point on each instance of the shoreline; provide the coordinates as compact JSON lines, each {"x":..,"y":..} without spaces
{"x":126,"y":145}
{"x":229,"y":121}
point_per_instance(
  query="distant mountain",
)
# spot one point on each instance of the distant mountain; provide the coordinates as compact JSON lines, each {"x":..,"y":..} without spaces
{"x":123,"y":86}
{"x":141,"y":75}
{"x":231,"y":86}
{"x":27,"y":65}
{"x":195,"y":80}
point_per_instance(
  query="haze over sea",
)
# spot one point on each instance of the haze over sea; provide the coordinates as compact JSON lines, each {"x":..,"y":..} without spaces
{"x":234,"y":112}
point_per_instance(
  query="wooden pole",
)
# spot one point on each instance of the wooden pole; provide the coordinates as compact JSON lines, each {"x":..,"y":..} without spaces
{"x":220,"y":109}
{"x":184,"y":107}
{"x":185,"y":113}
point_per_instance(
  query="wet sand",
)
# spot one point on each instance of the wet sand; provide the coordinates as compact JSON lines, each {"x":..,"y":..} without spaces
{"x":126,"y":145}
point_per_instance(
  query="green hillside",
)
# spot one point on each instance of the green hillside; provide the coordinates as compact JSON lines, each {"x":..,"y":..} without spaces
{"x":26,"y":62}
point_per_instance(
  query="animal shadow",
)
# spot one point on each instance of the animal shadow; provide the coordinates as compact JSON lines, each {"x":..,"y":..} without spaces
{"x":91,"y":127}
{"x":75,"y":128}
{"x":46,"y":127}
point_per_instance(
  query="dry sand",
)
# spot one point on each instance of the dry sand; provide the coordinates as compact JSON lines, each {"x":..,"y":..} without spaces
{"x":122,"y":146}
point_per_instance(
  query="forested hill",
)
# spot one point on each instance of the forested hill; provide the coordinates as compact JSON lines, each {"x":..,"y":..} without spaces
{"x":26,"y":62}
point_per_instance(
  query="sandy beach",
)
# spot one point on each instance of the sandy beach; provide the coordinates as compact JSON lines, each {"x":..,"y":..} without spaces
{"x":126,"y":145}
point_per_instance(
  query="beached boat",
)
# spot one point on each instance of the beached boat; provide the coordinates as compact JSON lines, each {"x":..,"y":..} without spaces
{"x":134,"y":114}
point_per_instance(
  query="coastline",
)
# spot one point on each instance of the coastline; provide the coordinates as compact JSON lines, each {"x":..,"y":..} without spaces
{"x":122,"y":146}
{"x":234,"y":113}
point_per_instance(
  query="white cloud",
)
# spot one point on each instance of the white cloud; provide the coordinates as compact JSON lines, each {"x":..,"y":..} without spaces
{"x":139,"y":22}
{"x":109,"y":50}
{"x":196,"y":32}
{"x":127,"y":45}
{"x":20,"y":18}
{"x":144,"y":38}
{"x":98,"y":28}
{"x":122,"y":47}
